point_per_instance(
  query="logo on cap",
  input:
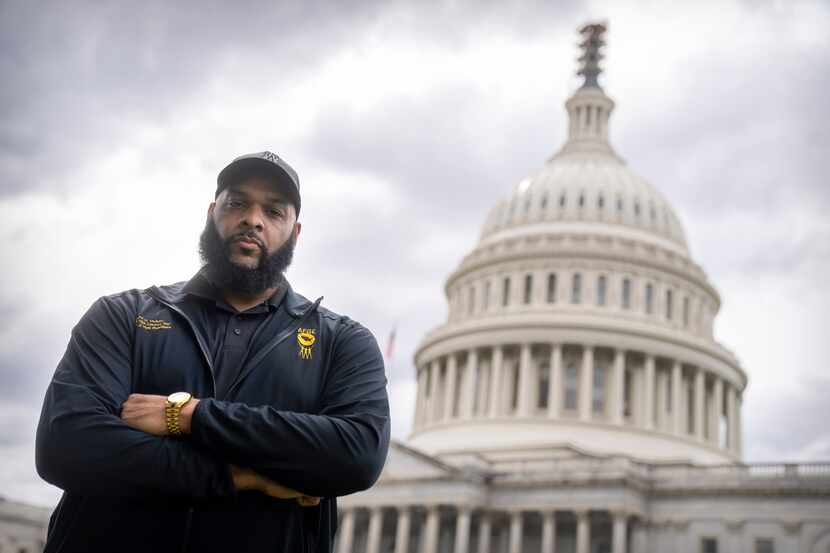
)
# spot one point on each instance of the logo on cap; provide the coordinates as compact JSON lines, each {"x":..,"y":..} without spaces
{"x":273,"y":158}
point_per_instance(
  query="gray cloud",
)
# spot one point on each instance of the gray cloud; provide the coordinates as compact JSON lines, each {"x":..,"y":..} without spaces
{"x":78,"y":77}
{"x":790,"y":425}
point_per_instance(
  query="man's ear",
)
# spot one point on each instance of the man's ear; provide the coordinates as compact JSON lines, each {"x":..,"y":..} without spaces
{"x":297,"y":228}
{"x":211,"y":207}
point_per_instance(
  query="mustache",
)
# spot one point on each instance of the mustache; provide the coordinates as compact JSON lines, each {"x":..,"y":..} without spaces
{"x":246,"y":235}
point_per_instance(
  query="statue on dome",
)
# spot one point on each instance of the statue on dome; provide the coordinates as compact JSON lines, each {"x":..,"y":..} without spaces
{"x":592,"y":42}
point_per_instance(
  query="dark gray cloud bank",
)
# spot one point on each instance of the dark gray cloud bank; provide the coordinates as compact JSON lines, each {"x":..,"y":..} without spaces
{"x":736,"y":147}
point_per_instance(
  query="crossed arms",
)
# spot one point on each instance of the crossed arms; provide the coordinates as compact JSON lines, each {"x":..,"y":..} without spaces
{"x":84,"y":444}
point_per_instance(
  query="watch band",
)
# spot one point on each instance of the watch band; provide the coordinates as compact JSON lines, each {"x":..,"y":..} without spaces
{"x":172,"y":410}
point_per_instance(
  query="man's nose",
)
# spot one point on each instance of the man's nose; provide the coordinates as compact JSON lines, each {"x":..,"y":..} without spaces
{"x":253,"y":217}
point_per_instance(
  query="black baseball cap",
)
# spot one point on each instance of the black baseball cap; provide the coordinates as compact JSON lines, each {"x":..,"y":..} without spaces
{"x":261,"y":163}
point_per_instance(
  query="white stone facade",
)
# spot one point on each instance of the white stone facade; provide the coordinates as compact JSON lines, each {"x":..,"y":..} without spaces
{"x":22,"y":527}
{"x":576,"y":400}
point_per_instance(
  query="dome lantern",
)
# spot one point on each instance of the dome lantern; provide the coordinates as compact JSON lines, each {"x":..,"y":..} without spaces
{"x":589,"y":109}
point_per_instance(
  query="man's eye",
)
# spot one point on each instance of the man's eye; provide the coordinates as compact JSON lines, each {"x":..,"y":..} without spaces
{"x":234,"y":203}
{"x":275,"y":212}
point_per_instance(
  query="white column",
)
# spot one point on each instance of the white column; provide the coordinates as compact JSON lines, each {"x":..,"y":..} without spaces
{"x":402,"y":531}
{"x":731,"y":422}
{"x":495,"y":381}
{"x":548,"y":532}
{"x":583,"y":532}
{"x":676,"y":397}
{"x":484,"y":528}
{"x":555,"y":383}
{"x":586,"y":383}
{"x":700,"y":389}
{"x":430,"y":536}
{"x":618,"y":378}
{"x":346,"y":531}
{"x":449,"y":386}
{"x":717,"y":407}
{"x":648,"y":387}
{"x":375,"y":528}
{"x":738,"y":427}
{"x":619,"y":533}
{"x":434,"y":405}
{"x":462,"y":530}
{"x":470,"y":378}
{"x":419,"y":399}
{"x":525,"y":381}
{"x":516,"y":532}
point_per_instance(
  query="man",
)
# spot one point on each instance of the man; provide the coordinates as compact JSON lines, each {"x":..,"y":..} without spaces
{"x":225,"y":413}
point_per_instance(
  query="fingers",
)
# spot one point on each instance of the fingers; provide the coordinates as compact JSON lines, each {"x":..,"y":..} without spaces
{"x":308,"y":501}
{"x":246,"y":479}
{"x":279,"y":491}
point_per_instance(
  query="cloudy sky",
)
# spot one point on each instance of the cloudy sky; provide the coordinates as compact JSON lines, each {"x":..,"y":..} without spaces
{"x":406,"y":121}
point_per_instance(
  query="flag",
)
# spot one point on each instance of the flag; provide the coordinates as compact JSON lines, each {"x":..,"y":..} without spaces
{"x":390,"y":345}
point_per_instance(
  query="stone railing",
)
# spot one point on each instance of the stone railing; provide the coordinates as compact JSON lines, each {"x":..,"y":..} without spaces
{"x":586,"y":469}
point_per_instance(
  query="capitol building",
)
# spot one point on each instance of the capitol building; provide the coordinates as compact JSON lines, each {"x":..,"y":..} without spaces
{"x":576,"y":400}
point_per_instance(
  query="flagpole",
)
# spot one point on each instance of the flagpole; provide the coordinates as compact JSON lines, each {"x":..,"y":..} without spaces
{"x":389,"y":356}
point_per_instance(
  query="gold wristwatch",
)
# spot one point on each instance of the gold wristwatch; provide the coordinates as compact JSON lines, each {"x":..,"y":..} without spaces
{"x":172,"y":409}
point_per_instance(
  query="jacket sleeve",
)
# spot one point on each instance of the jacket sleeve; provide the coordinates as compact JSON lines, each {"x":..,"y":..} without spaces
{"x":338,"y":451}
{"x":82,"y":444}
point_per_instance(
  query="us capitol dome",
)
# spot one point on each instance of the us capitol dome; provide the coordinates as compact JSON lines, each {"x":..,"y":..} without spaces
{"x":576,"y":399}
{"x":581,"y":318}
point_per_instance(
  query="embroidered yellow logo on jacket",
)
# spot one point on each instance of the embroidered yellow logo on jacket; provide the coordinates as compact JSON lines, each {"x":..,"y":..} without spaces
{"x":305,"y":338}
{"x":152,"y":324}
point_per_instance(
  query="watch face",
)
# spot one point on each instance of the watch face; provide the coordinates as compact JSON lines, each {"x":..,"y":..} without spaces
{"x":178,"y":397}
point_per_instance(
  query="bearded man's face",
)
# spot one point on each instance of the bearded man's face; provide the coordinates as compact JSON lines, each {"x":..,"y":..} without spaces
{"x":249,"y":237}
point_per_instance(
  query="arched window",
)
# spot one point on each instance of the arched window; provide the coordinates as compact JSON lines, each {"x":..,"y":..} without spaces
{"x":552,"y":288}
{"x":636,"y":208}
{"x":562,"y":200}
{"x":544,"y":203}
{"x":601,"y":201}
{"x":669,"y":304}
{"x":649,"y":298}
{"x":485,"y":301}
{"x":571,"y":386}
{"x":619,"y":204}
{"x":582,"y":199}
{"x":505,"y":292}
{"x":626,"y":293}
{"x":471,"y":300}
{"x":601,"y":286}
{"x":576,"y":288}
{"x":528,"y":288}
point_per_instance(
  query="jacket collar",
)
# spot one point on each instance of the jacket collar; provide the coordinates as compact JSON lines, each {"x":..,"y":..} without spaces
{"x":294,"y":304}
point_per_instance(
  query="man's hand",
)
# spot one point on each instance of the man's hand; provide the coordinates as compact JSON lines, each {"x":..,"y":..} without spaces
{"x":145,"y":412}
{"x":246,"y":479}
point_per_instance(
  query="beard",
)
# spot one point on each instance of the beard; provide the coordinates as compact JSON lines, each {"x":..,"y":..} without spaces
{"x":224,"y":273}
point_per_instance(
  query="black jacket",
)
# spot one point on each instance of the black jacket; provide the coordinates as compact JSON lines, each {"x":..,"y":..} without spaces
{"x":316,"y":421}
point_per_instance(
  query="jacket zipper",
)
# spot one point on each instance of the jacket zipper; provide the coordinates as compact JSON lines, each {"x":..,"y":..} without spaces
{"x":249,"y":365}
{"x":202,"y":346}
